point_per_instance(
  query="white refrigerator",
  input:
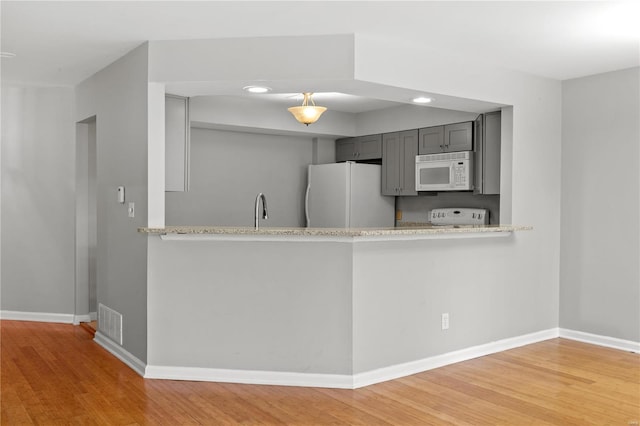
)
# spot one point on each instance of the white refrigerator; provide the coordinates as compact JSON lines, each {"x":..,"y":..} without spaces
{"x":347,"y":195}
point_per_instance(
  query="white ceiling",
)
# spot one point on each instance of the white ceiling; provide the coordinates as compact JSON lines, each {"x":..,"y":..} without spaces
{"x":62,"y":43}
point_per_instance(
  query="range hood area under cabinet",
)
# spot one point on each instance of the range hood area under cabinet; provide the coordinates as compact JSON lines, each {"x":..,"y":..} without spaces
{"x":397,"y":152}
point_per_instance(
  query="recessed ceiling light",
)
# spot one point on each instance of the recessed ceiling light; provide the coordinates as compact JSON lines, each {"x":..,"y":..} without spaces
{"x":7,"y":55}
{"x":257,"y":89}
{"x":422,"y":100}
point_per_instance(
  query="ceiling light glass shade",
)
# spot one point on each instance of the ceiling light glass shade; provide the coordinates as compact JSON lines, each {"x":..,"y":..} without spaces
{"x":307,"y":114}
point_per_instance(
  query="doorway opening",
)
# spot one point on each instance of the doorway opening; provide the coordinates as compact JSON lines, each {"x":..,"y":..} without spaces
{"x":86,"y":224}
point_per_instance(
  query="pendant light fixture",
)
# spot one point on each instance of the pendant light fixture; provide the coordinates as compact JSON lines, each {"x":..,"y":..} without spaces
{"x":308,"y":112}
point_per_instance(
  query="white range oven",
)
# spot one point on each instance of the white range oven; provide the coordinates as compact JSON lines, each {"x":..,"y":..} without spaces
{"x":459,"y":216}
{"x":450,"y":171}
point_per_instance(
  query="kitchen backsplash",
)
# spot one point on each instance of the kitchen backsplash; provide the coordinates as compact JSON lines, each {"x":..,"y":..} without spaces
{"x":416,"y":209}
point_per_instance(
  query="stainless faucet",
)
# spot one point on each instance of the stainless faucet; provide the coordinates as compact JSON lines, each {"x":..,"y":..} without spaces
{"x":256,"y":220}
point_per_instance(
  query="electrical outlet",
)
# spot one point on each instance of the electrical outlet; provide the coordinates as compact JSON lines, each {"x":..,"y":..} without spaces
{"x":445,"y":321}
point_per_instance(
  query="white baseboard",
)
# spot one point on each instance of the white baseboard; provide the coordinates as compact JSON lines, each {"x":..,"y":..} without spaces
{"x":342,"y":381}
{"x":37,"y":316}
{"x":281,"y":378}
{"x":406,"y":369}
{"x":48,"y":317}
{"x":595,"y":339}
{"x":77,"y":319}
{"x":120,"y":353}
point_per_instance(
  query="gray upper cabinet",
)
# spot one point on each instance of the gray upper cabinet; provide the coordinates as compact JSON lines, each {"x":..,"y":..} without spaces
{"x":361,"y":148}
{"x":369,"y":147}
{"x":448,"y":138}
{"x":431,"y":140}
{"x":488,"y":128}
{"x":459,"y":136}
{"x":391,"y":163}
{"x":399,"y":150}
{"x":177,"y":123}
{"x":346,"y":149}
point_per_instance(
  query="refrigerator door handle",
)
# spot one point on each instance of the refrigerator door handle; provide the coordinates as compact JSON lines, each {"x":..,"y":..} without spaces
{"x":306,"y":204}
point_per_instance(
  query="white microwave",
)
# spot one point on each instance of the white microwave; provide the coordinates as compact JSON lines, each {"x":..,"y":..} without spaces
{"x":451,"y":171}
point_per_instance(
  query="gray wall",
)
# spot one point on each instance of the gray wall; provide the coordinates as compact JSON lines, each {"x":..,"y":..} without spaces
{"x":274,"y":306}
{"x":335,"y":308}
{"x":401,"y":288}
{"x":117,"y":97}
{"x":228,"y":169}
{"x":38,"y":200}
{"x":600,"y":246}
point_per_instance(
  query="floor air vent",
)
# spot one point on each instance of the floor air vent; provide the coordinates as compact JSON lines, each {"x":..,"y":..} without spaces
{"x":110,"y":323}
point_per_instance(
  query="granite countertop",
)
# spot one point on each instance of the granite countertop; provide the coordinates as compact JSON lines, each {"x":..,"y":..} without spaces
{"x":403,"y":229}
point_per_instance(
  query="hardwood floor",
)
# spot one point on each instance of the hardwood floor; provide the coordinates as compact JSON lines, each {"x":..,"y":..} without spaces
{"x":55,"y":374}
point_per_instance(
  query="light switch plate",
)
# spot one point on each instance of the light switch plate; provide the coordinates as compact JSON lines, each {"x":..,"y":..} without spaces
{"x":121,"y":194}
{"x":132,"y":210}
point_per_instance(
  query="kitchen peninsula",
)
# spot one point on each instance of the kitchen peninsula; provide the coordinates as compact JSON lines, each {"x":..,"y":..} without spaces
{"x":316,"y":306}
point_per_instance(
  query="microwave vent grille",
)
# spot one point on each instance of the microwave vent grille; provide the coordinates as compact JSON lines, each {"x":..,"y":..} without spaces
{"x":461,"y":155}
